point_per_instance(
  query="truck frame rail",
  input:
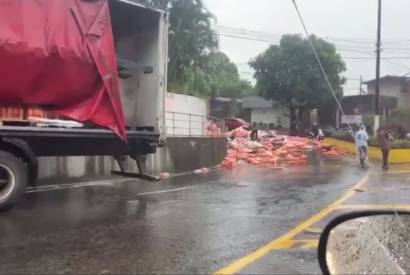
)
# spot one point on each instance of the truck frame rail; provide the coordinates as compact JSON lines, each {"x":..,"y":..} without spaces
{"x":47,"y":141}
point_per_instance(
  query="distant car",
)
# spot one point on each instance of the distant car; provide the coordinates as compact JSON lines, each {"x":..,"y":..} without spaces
{"x":328,"y":130}
{"x":233,"y":123}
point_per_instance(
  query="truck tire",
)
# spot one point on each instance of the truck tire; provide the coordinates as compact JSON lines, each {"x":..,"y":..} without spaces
{"x":13,"y":180}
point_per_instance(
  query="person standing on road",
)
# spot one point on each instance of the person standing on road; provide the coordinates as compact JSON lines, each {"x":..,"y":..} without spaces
{"x":385,"y":138}
{"x":361,"y":142}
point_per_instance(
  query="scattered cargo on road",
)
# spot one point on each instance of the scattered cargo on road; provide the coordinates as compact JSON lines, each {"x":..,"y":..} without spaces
{"x":271,"y":149}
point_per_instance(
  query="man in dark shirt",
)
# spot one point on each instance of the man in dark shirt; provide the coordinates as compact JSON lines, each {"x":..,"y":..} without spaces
{"x":385,"y":138}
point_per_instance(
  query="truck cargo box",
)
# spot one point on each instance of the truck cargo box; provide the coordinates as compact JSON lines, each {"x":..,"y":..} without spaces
{"x":141,"y":39}
{"x":61,"y":55}
{"x":88,"y":60}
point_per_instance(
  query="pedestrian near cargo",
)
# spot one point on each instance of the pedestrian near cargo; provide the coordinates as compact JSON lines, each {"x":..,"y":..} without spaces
{"x":385,"y":138}
{"x":293,"y":128}
{"x":361,"y":142}
{"x":254,"y":135}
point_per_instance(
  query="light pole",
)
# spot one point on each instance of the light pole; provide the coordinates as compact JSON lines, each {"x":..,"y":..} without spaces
{"x":377,"y":87}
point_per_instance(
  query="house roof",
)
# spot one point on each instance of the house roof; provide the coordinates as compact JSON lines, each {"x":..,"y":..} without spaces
{"x":253,"y":102}
{"x":226,"y":99}
{"x":389,"y":78}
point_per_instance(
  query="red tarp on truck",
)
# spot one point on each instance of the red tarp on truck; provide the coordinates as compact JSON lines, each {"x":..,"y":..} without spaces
{"x":61,"y":55}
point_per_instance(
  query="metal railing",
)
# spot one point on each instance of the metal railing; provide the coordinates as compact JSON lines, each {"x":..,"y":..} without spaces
{"x":192,"y":125}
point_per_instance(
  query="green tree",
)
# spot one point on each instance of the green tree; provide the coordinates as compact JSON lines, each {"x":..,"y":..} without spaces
{"x":289,"y":74}
{"x":217,"y":76}
{"x":225,"y":80}
{"x":195,"y":67}
{"x":191,"y":38}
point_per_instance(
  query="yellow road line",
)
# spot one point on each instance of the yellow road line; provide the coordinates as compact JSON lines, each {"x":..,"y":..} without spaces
{"x":313,"y":230}
{"x":375,"y":206}
{"x":305,"y":244}
{"x":243,"y":262}
{"x":310,"y":244}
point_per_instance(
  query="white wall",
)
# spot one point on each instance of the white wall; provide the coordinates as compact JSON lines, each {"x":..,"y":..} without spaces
{"x":387,"y":89}
{"x":192,"y":108}
{"x":271,"y":115}
{"x":393,"y":89}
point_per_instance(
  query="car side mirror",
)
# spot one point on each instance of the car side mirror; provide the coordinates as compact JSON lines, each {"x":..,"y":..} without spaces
{"x":371,"y":242}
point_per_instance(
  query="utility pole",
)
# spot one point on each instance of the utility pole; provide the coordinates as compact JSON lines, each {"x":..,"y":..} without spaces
{"x":361,"y":92}
{"x":377,"y":88}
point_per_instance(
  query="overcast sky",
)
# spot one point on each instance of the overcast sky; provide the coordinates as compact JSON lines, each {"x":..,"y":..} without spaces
{"x":350,"y":24}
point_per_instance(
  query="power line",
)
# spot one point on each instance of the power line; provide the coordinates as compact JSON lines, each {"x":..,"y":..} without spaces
{"x":248,"y":38}
{"x":360,"y":61}
{"x":276,"y":42}
{"x":247,"y":32}
{"x":351,"y":51}
{"x":341,"y":39}
{"x":326,"y":77}
{"x":342,"y":44}
{"x":339,"y":49}
{"x":372,"y":58}
{"x":353,"y":40}
{"x":395,"y":63}
{"x":396,"y":49}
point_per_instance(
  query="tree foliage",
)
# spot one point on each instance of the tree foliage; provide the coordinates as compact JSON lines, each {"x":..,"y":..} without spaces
{"x":289,"y":73}
{"x":191,"y":38}
{"x":225,"y":80}
{"x":195,"y":66}
{"x":218,"y":76}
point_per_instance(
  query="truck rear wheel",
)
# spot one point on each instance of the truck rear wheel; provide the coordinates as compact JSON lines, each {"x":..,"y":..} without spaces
{"x":13,"y":180}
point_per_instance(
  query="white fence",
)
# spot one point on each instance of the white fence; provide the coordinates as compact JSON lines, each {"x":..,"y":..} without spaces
{"x":191,"y":125}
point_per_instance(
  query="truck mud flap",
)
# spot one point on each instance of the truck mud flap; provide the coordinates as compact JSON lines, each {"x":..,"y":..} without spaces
{"x":140,"y":174}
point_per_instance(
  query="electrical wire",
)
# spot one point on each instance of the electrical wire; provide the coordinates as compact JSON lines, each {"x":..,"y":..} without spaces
{"x":372,"y":58}
{"x":395,"y":63}
{"x":326,"y":77}
{"x":276,"y":42}
{"x":342,"y":44}
{"x":248,"y":38}
{"x":369,"y":54}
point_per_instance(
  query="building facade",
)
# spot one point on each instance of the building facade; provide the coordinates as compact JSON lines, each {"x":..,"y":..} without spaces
{"x":392,"y":86}
{"x":264,"y":113}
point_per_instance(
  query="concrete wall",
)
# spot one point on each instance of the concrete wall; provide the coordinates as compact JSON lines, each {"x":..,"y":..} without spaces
{"x":187,"y":154}
{"x":181,"y":154}
{"x":193,"y":115}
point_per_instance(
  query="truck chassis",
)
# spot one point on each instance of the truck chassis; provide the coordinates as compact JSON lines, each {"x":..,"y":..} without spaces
{"x":20,"y":147}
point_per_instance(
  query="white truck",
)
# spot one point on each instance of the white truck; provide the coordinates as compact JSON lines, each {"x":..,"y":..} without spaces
{"x":141,"y":41}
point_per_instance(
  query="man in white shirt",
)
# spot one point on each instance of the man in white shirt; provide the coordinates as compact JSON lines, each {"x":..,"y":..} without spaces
{"x":361,"y":142}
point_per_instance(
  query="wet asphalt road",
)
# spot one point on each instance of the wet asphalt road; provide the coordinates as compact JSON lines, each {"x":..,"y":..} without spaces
{"x":195,"y":224}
